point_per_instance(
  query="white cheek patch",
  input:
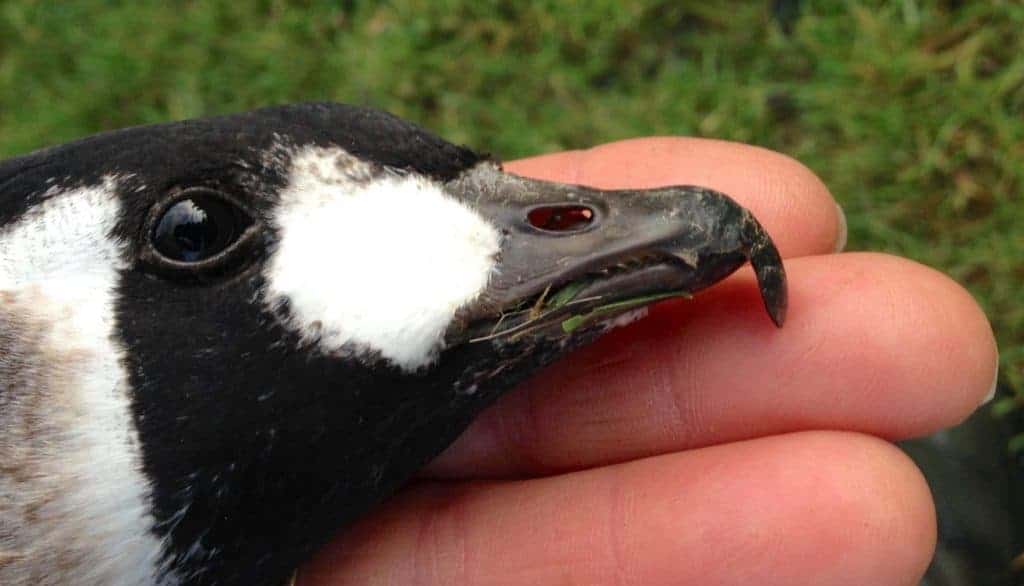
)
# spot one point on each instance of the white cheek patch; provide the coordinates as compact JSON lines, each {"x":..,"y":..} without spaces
{"x":380,"y":262}
{"x":83,"y":511}
{"x":64,"y":237}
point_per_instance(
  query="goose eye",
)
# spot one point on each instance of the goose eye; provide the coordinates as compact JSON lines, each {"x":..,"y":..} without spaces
{"x":199,"y":227}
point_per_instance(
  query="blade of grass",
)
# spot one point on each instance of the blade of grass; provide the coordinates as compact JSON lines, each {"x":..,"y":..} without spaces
{"x":573,"y":323}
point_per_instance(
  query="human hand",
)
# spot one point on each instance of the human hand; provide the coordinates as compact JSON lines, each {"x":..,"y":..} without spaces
{"x":701,"y":445}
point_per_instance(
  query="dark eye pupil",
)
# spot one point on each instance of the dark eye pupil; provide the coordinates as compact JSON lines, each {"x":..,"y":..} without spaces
{"x":197,"y":228}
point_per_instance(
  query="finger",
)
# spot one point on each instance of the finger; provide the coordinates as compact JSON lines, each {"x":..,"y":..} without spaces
{"x":814,"y":508}
{"x":794,"y":205}
{"x":873,"y":343}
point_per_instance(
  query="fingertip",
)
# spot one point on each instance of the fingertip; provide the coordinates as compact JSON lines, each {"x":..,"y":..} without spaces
{"x":949,"y":333}
{"x":815,"y":507}
{"x":842,"y":231}
{"x":889,"y":505}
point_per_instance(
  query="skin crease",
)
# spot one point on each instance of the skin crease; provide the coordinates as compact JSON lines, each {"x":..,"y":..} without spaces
{"x":701,"y":445}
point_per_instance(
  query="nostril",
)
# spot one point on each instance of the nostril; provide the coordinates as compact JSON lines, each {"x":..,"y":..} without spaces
{"x":564,"y":218}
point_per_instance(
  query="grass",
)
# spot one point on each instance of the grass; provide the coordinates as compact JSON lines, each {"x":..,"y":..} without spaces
{"x":911,"y":111}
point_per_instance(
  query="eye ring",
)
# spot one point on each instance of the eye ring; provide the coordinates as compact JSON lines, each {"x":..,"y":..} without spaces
{"x":198,"y":231}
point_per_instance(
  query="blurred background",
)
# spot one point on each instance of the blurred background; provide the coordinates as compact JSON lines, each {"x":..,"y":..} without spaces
{"x":911,"y":111}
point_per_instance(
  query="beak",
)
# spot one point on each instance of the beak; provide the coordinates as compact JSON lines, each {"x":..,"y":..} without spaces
{"x":572,"y":253}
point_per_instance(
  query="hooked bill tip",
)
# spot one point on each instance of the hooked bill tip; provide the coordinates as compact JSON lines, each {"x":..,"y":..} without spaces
{"x":771,"y":277}
{"x":775,"y":301}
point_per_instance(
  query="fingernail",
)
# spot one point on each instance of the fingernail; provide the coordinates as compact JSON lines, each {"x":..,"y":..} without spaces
{"x":995,"y":385}
{"x":841,"y":230}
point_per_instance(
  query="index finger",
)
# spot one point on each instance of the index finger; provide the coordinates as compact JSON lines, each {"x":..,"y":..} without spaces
{"x":854,"y":355}
{"x":791,"y":203}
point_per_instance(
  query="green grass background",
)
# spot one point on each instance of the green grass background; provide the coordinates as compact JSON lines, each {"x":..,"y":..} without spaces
{"x":911,"y":111}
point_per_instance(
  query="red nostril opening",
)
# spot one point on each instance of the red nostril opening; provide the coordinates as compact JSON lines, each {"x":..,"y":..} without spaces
{"x":561,"y":218}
